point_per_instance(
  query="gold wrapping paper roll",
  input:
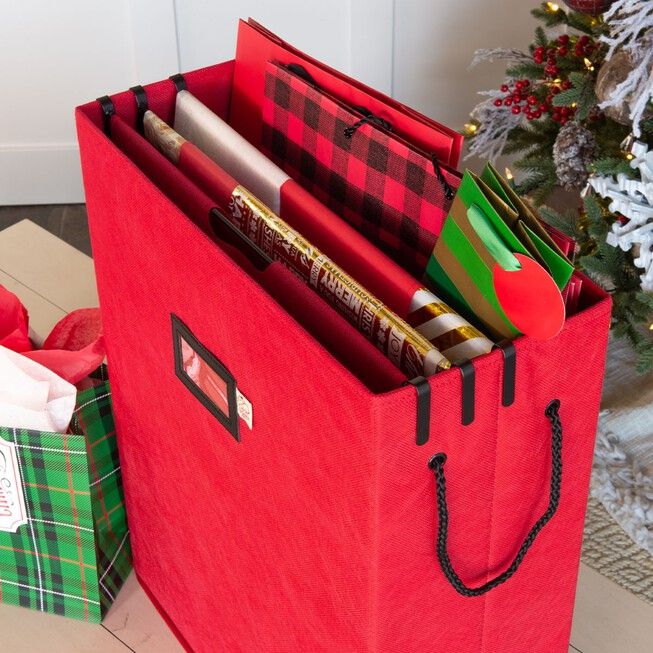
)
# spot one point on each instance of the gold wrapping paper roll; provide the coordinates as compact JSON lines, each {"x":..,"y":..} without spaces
{"x":405,"y":347}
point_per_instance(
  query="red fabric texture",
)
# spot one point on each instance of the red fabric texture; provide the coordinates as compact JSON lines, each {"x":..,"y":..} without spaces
{"x":207,"y":174}
{"x":171,"y":624}
{"x":227,"y":586}
{"x":385,"y":188}
{"x":498,"y":474}
{"x":256,"y":46}
{"x":316,"y":532}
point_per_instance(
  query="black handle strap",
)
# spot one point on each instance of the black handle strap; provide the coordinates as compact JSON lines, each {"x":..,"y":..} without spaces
{"x":468,"y":374}
{"x":180,"y":85}
{"x":423,"y":429}
{"x":437,"y":465}
{"x":509,"y":371}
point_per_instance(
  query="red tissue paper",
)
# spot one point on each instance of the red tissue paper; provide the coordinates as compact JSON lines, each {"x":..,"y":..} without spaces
{"x":74,"y":348}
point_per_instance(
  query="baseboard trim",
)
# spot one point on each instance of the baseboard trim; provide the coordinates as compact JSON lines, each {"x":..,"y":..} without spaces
{"x":40,"y":174}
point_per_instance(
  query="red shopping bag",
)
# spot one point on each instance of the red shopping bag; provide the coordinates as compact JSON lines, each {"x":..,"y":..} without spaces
{"x":310,"y":510}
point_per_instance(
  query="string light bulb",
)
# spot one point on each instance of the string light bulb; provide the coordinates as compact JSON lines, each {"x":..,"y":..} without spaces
{"x":471,"y":128}
{"x":588,"y":64}
{"x":587,"y":190}
{"x":552,"y":7}
{"x":510,"y":178}
{"x":627,"y":147}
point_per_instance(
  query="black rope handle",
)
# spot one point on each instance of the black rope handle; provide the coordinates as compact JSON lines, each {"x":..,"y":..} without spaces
{"x":368,"y":117}
{"x":448,"y":191}
{"x":437,"y":465}
{"x":376,"y":121}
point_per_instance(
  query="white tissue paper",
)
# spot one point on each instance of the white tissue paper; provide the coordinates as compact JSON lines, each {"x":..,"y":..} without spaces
{"x":33,"y":397}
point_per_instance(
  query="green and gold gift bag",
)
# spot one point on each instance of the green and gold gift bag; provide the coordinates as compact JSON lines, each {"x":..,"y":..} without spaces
{"x":64,"y":540}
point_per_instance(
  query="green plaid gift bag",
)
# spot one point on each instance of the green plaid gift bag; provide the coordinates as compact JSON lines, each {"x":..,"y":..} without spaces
{"x":64,"y":541}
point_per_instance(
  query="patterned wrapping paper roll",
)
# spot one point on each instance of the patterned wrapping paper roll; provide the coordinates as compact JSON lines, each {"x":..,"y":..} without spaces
{"x":402,"y":345}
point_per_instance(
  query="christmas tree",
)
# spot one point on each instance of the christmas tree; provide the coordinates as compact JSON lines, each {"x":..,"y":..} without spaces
{"x":575,"y":111}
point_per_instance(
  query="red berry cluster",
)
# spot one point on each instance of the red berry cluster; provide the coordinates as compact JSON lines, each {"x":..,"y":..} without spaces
{"x":582,"y":47}
{"x":537,"y":102}
{"x":522,"y":100}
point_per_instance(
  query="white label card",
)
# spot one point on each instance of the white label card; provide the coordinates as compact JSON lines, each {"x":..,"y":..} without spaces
{"x":245,"y":411}
{"x":12,"y":502}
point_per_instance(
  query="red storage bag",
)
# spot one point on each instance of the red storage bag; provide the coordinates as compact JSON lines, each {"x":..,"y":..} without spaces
{"x":279,"y":500}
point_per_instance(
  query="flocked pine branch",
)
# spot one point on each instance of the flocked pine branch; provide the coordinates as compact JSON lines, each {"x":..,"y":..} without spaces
{"x":631,"y":30}
{"x":492,"y":55}
{"x":495,"y":126}
{"x":495,"y":123}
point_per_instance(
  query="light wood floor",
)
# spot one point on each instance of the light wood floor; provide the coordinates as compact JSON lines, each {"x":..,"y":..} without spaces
{"x":56,"y":278}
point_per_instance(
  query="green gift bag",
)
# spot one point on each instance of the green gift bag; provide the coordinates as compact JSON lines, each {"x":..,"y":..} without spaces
{"x":64,"y":540}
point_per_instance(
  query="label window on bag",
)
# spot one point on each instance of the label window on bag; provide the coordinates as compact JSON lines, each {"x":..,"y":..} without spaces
{"x":206,"y":377}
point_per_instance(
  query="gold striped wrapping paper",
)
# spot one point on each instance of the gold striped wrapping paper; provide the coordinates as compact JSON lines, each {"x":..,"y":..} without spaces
{"x":445,"y":329}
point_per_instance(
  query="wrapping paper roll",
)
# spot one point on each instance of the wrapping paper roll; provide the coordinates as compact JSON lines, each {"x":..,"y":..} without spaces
{"x":452,"y":334}
{"x":403,"y":345}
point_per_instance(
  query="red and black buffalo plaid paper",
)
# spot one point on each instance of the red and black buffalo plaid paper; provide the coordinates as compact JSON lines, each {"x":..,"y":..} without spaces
{"x":372,"y":178}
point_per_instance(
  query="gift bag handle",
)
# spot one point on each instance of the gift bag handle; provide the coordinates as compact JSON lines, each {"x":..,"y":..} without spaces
{"x":437,"y":465}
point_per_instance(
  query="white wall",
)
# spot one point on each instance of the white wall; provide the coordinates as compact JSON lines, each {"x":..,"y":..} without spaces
{"x":435,"y":41}
{"x":55,"y":55}
{"x":350,"y":35}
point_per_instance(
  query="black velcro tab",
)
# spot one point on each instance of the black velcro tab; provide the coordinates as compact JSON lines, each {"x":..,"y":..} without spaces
{"x":423,"y":409}
{"x":469,"y":391}
{"x":141,"y":105}
{"x":509,"y":371}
